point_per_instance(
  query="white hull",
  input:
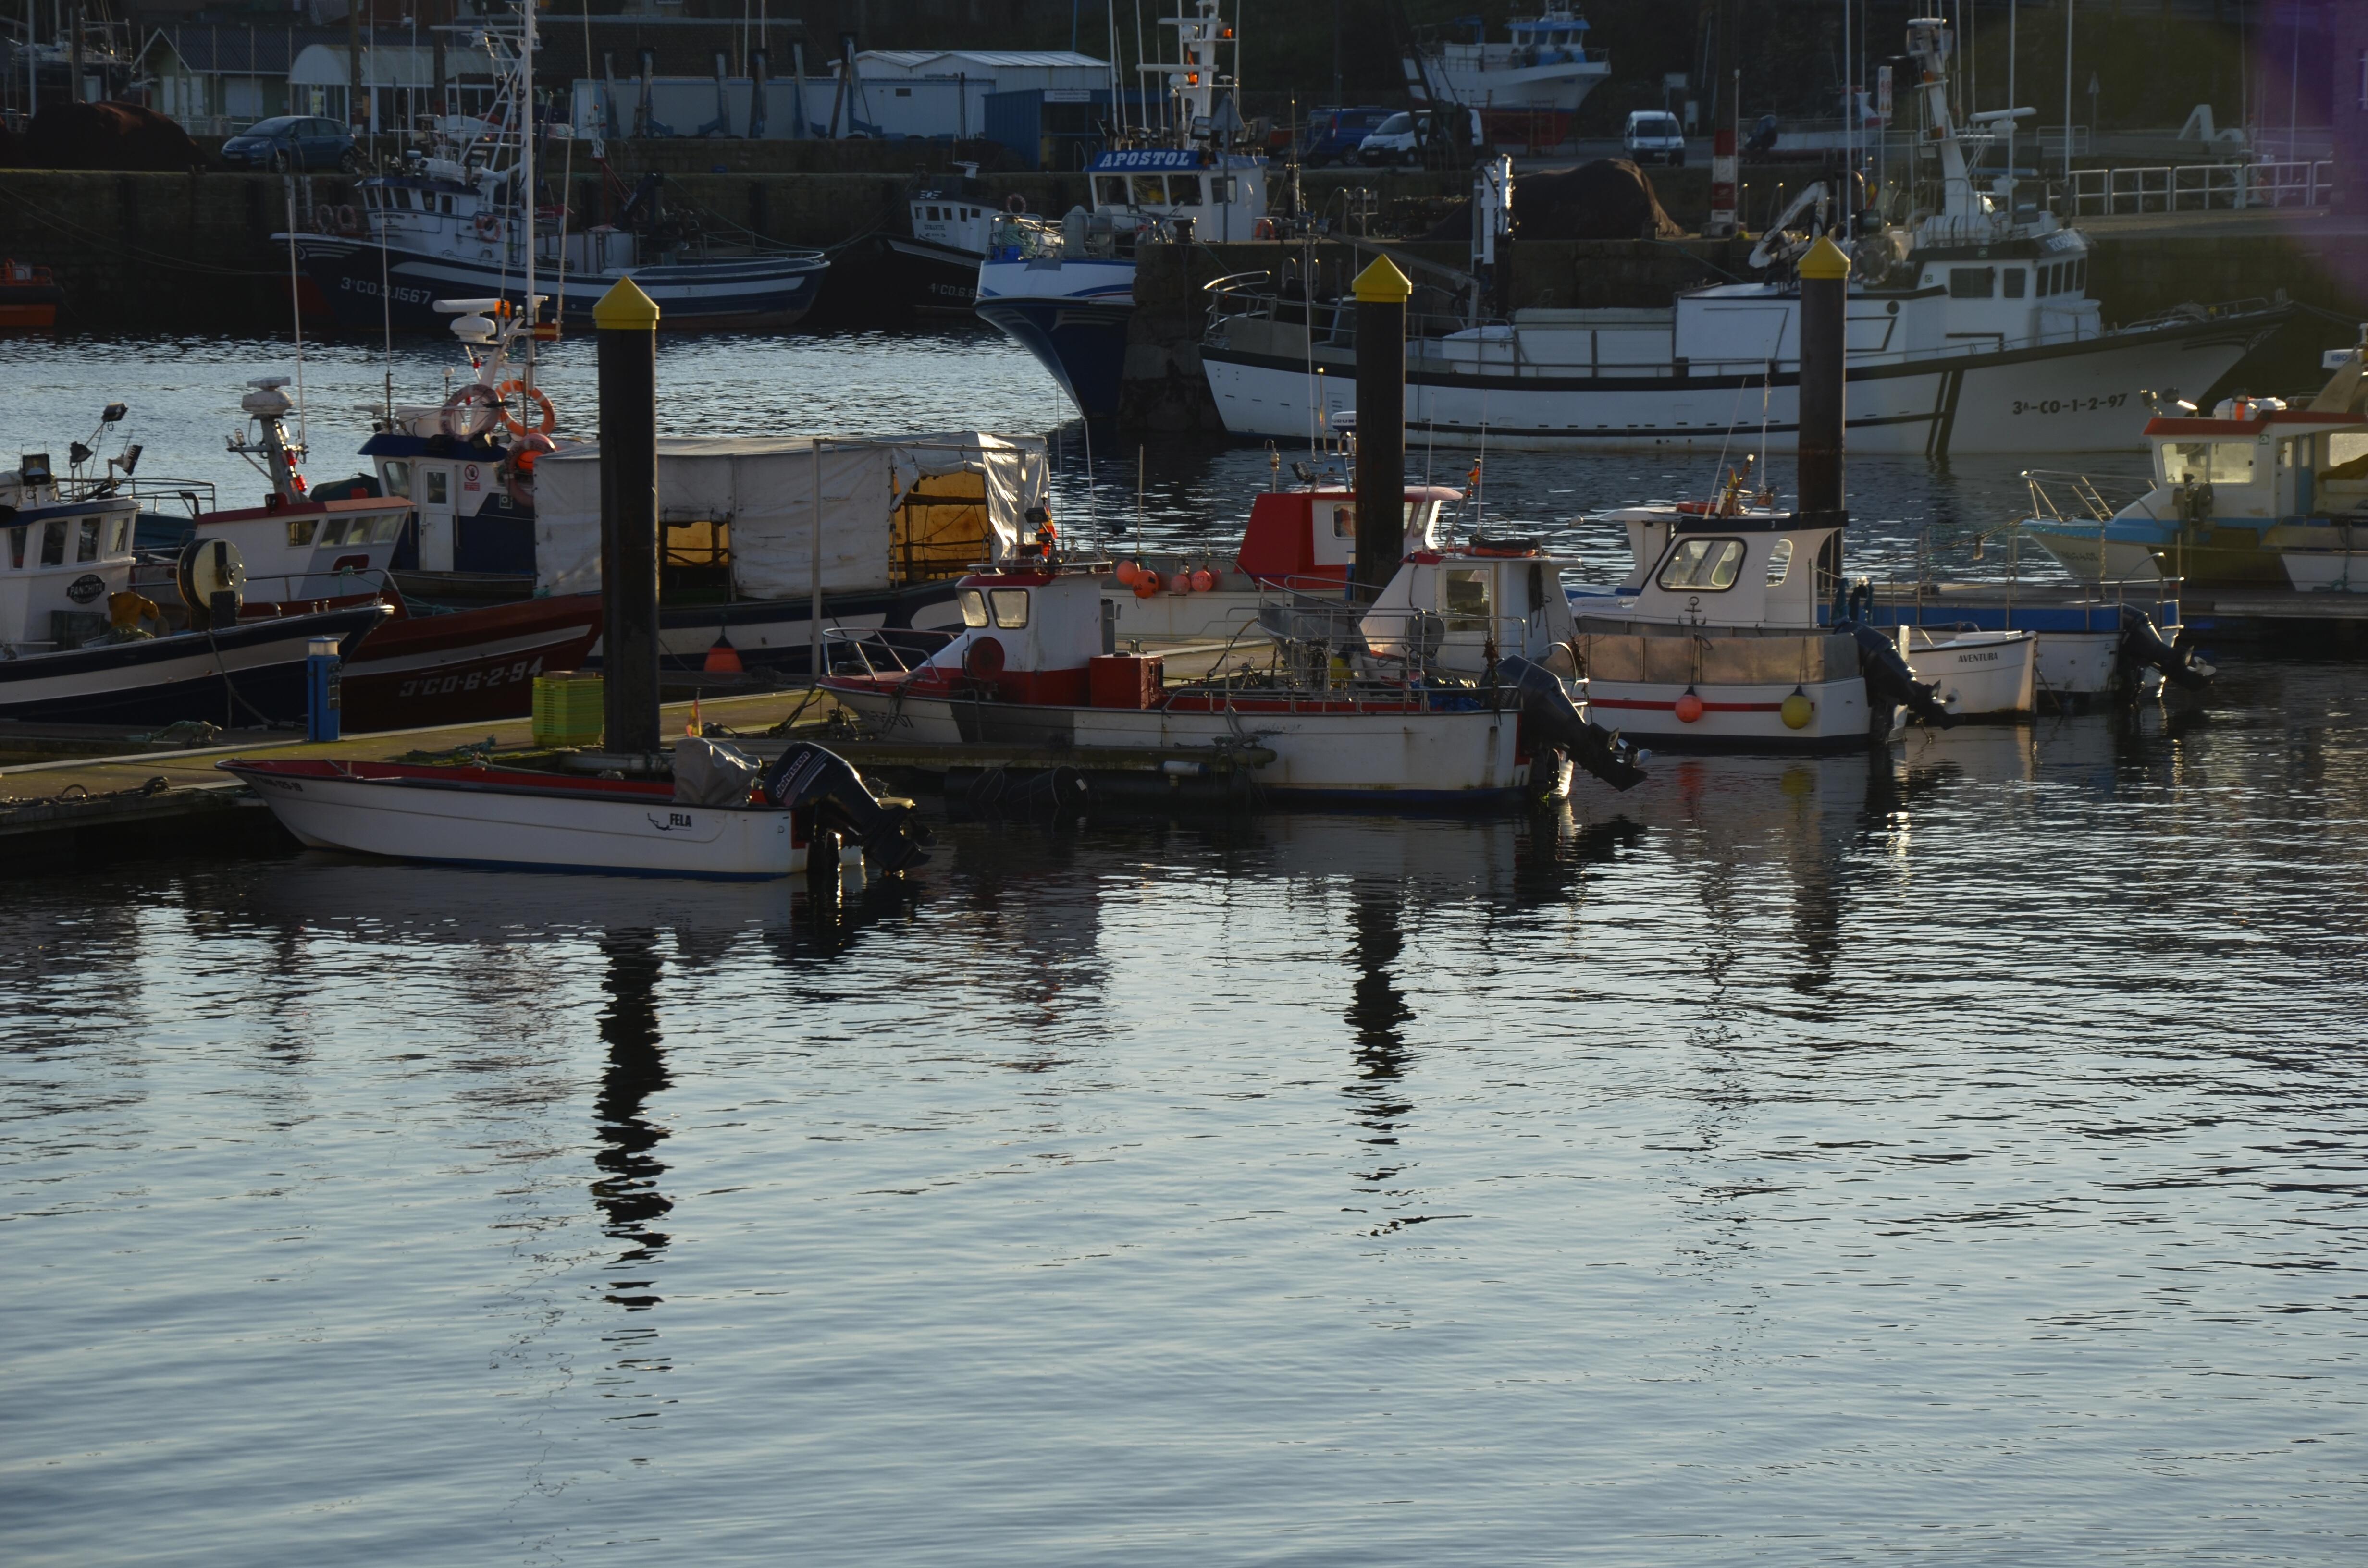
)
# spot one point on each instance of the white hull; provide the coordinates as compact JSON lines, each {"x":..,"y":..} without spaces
{"x":1562,"y":87}
{"x":1734,"y":718}
{"x":2078,"y":396}
{"x":2090,"y":558}
{"x":1980,"y":674}
{"x":2328,"y":571}
{"x":1414,"y":757}
{"x":641,"y":835}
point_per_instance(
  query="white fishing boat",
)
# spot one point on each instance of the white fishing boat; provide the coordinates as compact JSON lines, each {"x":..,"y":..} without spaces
{"x":1545,"y":65}
{"x":1976,"y":675}
{"x":1969,"y":330}
{"x":733,"y":824}
{"x":1065,"y":290}
{"x":468,"y":217}
{"x":79,"y":644}
{"x":1330,"y":719}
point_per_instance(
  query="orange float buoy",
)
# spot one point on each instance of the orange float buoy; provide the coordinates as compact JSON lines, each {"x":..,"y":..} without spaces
{"x":1145,"y":585}
{"x":1183,"y":583}
{"x":1689,"y":708}
{"x":722,"y":658}
{"x":1204,"y":580}
{"x":1127,"y":572}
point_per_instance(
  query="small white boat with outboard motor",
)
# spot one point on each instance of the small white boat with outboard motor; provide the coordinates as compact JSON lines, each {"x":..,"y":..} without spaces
{"x":718,"y":814}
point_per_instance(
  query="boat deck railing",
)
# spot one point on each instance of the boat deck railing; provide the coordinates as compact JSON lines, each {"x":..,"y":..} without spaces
{"x":153,"y":492}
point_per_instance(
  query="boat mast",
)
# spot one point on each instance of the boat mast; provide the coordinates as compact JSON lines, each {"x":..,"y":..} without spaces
{"x":526,"y":170}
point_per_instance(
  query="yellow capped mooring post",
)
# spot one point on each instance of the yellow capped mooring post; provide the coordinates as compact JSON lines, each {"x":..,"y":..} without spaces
{"x":1381,"y":291}
{"x":1825,"y":294}
{"x":626,"y":327}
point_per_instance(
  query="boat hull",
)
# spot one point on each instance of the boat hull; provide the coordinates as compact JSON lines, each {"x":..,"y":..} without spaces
{"x":252,"y":673}
{"x":1072,"y":316}
{"x":472,"y":819}
{"x":480,"y":664}
{"x":1441,"y":758}
{"x":732,"y":294}
{"x":1734,"y":717}
{"x":2327,"y":570}
{"x":1981,"y":675}
{"x":2072,"y":396}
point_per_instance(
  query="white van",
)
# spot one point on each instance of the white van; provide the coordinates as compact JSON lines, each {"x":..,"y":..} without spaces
{"x":1401,"y":138}
{"x":1653,"y":136}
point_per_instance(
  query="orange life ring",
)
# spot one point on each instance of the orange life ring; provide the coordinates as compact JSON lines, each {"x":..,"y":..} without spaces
{"x":1263,"y":228}
{"x":1015,"y":203}
{"x":489,"y":225}
{"x":515,"y":427}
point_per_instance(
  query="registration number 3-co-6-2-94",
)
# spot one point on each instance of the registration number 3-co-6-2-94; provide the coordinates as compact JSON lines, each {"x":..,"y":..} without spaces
{"x":2071,"y":404}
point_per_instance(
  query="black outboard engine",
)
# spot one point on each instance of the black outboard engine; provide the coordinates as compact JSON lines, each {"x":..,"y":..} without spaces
{"x":2142,"y":647}
{"x":1551,"y":719}
{"x":1889,"y":681}
{"x":814,"y":779}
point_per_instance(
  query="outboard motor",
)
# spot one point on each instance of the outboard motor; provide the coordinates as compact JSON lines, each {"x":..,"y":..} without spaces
{"x":2141,"y":646}
{"x":813,"y":778}
{"x":1890,"y":682}
{"x":1552,"y":720}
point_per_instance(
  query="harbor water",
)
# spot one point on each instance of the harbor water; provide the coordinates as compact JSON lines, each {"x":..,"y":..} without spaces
{"x":1951,"y":1158}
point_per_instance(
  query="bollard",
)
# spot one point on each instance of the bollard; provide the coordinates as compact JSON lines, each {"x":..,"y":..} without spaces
{"x":626,"y":323}
{"x":1825,"y":301}
{"x":1381,"y":291}
{"x":323,"y":681}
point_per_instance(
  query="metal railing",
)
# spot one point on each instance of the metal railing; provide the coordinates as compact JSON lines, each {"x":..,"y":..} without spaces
{"x":2201,"y":187}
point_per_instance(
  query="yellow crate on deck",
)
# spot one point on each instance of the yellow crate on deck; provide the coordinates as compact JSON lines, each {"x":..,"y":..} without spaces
{"x":567,"y":709}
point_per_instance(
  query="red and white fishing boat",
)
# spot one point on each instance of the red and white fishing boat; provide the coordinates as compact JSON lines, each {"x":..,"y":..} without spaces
{"x":733,"y":823}
{"x":1036,"y":665}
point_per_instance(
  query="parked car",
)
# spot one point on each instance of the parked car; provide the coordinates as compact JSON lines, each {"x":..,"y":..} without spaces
{"x":1653,"y":136}
{"x":1403,"y":138}
{"x":293,"y":141}
{"x":1334,"y":134}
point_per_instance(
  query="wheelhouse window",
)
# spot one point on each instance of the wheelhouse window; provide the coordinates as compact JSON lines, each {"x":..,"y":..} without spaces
{"x":2014,"y":282}
{"x":87,"y":539}
{"x":300,"y":531}
{"x":1150,"y":190}
{"x":1010,"y":606}
{"x":1110,"y":190}
{"x":1972,"y":282}
{"x":398,"y":478}
{"x":440,"y":488}
{"x":121,"y":536}
{"x":385,"y":530}
{"x":1702,"y":566}
{"x":16,"y":547}
{"x":974,"y":607}
{"x":1780,"y":561}
{"x":2208,"y":462}
{"x":54,"y":543}
{"x":1344,"y":522}
{"x":1463,"y":597}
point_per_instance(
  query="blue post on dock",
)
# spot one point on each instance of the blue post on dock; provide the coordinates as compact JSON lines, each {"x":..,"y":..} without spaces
{"x":323,"y":678}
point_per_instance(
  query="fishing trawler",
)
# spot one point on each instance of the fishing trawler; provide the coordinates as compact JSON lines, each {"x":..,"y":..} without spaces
{"x":1970,"y":330}
{"x":1065,"y":290}
{"x":468,"y":218}
{"x":1545,"y":65}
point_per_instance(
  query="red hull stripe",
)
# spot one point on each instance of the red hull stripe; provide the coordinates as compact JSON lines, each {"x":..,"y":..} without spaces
{"x":1668,"y":707}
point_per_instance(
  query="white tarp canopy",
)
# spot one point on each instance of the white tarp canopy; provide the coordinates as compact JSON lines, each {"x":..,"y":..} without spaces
{"x":763,"y":486}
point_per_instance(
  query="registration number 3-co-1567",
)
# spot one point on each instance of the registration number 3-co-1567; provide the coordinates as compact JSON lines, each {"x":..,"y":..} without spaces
{"x":2071,"y":404}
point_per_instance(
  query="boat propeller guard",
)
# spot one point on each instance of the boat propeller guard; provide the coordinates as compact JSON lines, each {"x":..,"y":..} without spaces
{"x":818,"y":780}
{"x":1552,"y":720}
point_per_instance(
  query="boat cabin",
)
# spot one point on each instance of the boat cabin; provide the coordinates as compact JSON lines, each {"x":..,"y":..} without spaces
{"x":1029,"y":636}
{"x":1465,"y":607}
{"x":59,"y":560}
{"x":1737,"y":572}
{"x":1222,"y":193}
{"x":956,"y":209}
{"x":474,"y":514}
{"x":1303,"y":539}
{"x":2256,"y":458}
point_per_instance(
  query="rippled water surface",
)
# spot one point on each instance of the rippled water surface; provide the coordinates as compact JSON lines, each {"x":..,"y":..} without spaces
{"x":1953,"y":1159}
{"x":1800,"y":1161}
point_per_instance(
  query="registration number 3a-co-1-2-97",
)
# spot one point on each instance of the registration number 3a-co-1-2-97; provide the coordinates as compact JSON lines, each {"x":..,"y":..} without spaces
{"x":474,"y":680}
{"x":2071,"y":404}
